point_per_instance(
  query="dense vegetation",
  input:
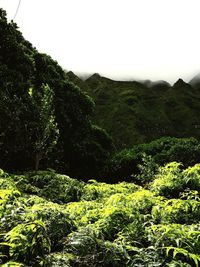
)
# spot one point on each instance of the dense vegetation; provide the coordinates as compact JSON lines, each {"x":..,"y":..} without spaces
{"x":139,"y":112}
{"x":133,"y":201}
{"x":144,"y":159}
{"x":45,"y":119}
{"x":49,"y":219}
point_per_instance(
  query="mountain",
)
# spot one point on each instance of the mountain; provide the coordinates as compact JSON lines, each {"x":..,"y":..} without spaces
{"x":195,"y":82}
{"x":140,"y":111}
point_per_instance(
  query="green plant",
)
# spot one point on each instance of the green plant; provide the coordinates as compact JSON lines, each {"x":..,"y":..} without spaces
{"x":56,"y":220}
{"x":177,"y":211}
{"x":28,"y":243}
{"x":54,"y":187}
{"x":177,"y":241}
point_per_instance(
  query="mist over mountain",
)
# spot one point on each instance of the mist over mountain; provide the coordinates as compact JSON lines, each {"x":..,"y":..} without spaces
{"x":140,"y":111}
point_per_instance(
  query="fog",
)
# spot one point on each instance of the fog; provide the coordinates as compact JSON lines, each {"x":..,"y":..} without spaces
{"x":122,"y":40}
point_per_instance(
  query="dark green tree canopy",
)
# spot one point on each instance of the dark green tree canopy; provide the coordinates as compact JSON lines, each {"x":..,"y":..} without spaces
{"x":44,"y":118}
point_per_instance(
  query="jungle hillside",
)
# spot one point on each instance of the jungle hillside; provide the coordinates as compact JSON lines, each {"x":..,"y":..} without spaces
{"x":95,"y":172}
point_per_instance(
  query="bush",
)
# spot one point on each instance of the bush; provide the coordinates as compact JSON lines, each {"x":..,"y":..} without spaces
{"x":12,"y":209}
{"x":28,"y":243}
{"x":58,"y":260}
{"x":162,"y":151}
{"x":84,"y":212}
{"x":54,"y":187}
{"x":177,"y":211}
{"x":172,"y":180}
{"x":97,"y":191}
{"x":91,"y":251}
{"x":56,"y":220}
{"x":177,"y":241}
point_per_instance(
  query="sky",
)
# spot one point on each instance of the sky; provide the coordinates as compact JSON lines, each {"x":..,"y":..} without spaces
{"x":119,"y":39}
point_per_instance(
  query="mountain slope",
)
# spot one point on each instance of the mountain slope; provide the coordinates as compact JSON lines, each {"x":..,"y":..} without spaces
{"x":136,"y":112}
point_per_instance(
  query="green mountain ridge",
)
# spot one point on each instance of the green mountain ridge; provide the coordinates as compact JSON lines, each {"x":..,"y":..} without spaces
{"x":136,"y":112}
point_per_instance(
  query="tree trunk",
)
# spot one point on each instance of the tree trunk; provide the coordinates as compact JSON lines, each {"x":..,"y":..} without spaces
{"x":37,"y":161}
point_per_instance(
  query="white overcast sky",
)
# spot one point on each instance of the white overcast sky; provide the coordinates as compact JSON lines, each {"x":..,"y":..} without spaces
{"x":120,"y":39}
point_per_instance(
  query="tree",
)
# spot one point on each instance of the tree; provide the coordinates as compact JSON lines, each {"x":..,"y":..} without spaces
{"x":43,"y":126}
{"x":41,"y":111}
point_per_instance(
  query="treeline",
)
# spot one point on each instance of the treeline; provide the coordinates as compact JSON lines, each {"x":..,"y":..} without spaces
{"x":44,"y":118}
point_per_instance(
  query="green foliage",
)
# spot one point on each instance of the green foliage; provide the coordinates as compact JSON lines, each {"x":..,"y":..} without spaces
{"x":84,"y":212}
{"x":139,"y":112}
{"x":171,"y":180}
{"x":140,"y":163}
{"x":57,"y":222}
{"x":55,"y":187}
{"x":13,"y":264}
{"x":99,"y":224}
{"x":178,"y":264}
{"x":97,"y":191}
{"x":58,"y":260}
{"x":177,"y":211}
{"x":91,"y":251}
{"x":182,"y":240}
{"x":11,"y":209}
{"x":28,"y":243}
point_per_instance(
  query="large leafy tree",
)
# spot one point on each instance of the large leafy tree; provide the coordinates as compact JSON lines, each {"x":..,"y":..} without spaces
{"x":30,"y":119}
{"x":44,"y":129}
{"x":16,"y":72}
{"x":82,"y":148}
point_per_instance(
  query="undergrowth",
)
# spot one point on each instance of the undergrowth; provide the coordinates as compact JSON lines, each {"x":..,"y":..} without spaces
{"x":48,"y":219}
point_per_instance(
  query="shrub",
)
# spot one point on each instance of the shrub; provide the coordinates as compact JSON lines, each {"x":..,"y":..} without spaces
{"x":112,"y":221}
{"x":56,"y":220}
{"x":84,"y":212}
{"x":91,"y":251}
{"x":12,"y":209}
{"x":171,"y":180}
{"x":98,"y":191}
{"x":177,"y":211}
{"x":58,"y":260}
{"x":28,"y":243}
{"x":177,"y":241}
{"x":13,"y":264}
{"x":162,"y":151}
{"x":54,"y":187}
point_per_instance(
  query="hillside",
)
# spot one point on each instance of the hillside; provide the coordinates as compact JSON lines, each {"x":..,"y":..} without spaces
{"x":136,"y":112}
{"x":136,"y":207}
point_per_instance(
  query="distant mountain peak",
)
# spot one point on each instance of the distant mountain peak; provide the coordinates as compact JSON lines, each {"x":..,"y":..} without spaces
{"x":94,"y":76}
{"x":179,"y":83}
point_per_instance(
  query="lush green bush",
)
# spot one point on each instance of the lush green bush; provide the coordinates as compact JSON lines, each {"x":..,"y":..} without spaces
{"x":28,"y":243}
{"x":177,"y":211}
{"x":12,"y":209}
{"x":92,"y":251}
{"x":171,"y":180}
{"x":84,"y":212}
{"x":58,"y":260}
{"x":56,"y":220}
{"x":97,"y":191}
{"x":107,"y":225}
{"x":131,"y":163}
{"x":54,"y":187}
{"x":13,"y":264}
{"x":177,"y":241}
